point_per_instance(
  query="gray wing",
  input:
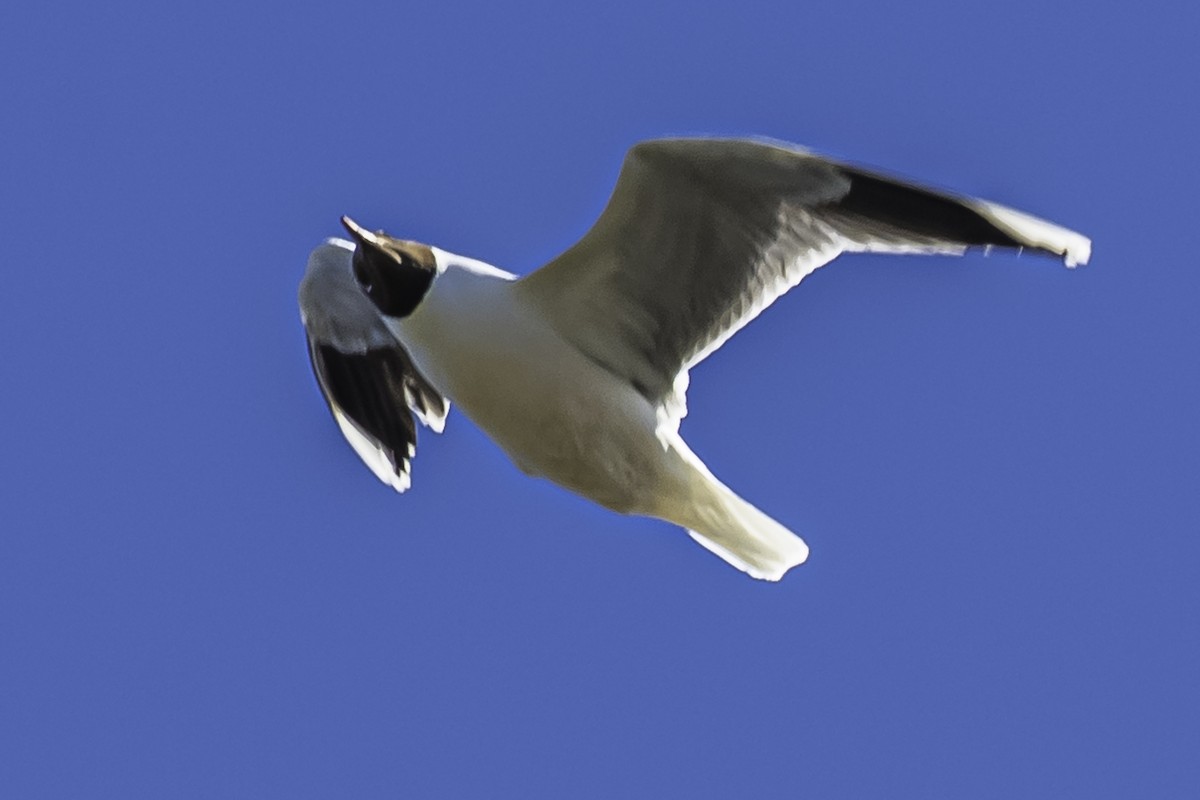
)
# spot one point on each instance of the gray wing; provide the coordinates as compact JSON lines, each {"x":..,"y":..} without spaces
{"x":368,"y":380}
{"x":701,"y":235}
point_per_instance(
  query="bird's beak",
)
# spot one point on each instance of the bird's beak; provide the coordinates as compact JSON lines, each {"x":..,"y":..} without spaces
{"x":361,"y":234}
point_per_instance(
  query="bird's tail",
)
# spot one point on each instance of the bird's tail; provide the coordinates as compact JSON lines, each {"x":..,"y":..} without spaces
{"x":722,"y":522}
{"x":747,"y":538}
{"x":736,"y":531}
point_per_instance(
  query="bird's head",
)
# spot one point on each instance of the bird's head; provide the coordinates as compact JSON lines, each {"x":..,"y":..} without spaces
{"x":394,"y":273}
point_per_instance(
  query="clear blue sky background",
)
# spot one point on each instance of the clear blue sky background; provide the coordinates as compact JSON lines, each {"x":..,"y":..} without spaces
{"x":204,"y":594}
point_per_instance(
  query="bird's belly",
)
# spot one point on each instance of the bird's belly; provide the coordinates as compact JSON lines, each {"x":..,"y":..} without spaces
{"x":558,"y":415}
{"x":577,"y":425}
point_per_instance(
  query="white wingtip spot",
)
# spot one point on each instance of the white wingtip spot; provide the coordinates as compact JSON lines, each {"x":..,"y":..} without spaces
{"x":1075,"y":248}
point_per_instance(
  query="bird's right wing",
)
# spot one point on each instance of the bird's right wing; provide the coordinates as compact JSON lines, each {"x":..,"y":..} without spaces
{"x":370,"y":383}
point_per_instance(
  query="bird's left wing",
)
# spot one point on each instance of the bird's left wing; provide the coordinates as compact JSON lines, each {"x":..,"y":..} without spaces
{"x":701,"y":235}
{"x":368,"y":380}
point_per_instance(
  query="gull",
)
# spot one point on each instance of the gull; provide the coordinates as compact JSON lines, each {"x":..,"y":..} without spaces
{"x":579,"y":370}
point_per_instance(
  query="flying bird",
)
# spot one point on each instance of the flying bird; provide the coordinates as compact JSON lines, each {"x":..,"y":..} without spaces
{"x":579,"y":371}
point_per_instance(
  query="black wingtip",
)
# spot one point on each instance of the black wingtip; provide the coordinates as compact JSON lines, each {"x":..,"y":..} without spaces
{"x":922,"y":212}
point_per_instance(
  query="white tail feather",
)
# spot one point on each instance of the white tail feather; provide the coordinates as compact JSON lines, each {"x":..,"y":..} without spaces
{"x":724,"y":523}
{"x":746,"y":537}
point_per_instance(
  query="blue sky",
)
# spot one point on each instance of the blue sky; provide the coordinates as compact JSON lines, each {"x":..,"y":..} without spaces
{"x":994,"y":459}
